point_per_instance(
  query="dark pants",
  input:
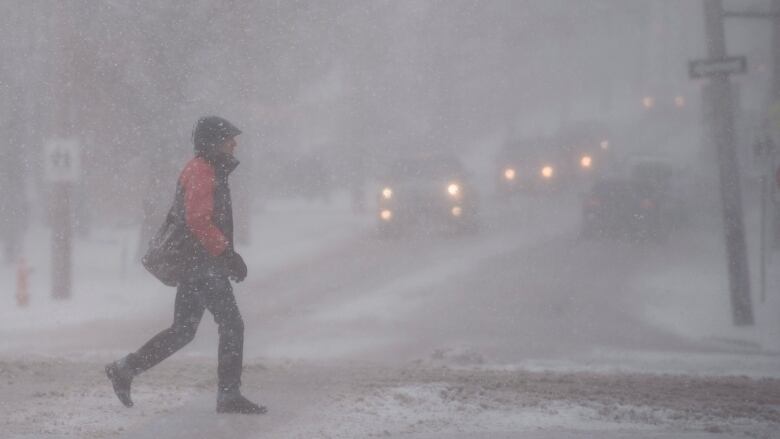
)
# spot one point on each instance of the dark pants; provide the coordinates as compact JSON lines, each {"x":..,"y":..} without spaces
{"x":193,"y":297}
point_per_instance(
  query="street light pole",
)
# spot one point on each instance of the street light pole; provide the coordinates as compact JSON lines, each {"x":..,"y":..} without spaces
{"x":719,"y":94}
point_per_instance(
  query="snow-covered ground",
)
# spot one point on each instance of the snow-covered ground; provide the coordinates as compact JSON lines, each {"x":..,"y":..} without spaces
{"x":689,"y":294}
{"x":314,"y":348}
{"x":45,"y":398}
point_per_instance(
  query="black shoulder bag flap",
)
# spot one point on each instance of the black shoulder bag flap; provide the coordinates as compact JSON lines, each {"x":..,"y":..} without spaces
{"x":165,"y":258}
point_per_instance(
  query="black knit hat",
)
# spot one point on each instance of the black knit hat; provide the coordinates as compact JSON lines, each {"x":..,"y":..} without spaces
{"x":211,"y":131}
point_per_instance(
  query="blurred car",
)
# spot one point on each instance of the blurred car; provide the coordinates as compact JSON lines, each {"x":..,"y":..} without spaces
{"x":623,"y":208}
{"x":428,"y":191}
{"x":527,"y":166}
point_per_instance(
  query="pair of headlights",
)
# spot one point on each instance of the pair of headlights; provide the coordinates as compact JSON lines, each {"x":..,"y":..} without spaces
{"x":453,"y":189}
{"x":649,"y":102}
{"x":547,"y":172}
{"x":387,"y":214}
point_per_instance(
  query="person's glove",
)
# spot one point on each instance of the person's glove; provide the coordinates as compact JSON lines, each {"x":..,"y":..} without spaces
{"x":235,"y":265}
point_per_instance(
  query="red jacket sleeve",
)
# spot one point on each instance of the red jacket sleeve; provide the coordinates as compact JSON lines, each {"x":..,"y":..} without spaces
{"x":199,"y":181}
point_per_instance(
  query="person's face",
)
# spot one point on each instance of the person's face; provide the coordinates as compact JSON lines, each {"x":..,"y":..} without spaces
{"x":228,"y":146}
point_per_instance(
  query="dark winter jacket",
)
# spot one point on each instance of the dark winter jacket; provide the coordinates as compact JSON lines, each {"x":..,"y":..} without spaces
{"x":203,"y":204}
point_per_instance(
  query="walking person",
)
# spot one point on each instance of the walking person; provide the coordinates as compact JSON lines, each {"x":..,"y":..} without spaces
{"x":208,"y":265}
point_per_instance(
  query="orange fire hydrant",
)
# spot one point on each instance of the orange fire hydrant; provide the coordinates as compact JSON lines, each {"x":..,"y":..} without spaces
{"x":22,"y":291}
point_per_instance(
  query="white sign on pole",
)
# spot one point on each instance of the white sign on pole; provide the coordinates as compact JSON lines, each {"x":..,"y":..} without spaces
{"x":62,"y":163}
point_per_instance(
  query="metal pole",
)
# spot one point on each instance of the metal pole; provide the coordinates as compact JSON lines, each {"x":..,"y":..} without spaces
{"x":771,"y":184}
{"x":721,"y":134}
{"x":763,"y":234}
{"x":774,"y":100}
{"x":62,"y":240}
{"x":775,"y":17}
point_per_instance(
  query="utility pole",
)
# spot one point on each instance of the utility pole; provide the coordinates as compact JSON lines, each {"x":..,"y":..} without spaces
{"x":719,"y":94}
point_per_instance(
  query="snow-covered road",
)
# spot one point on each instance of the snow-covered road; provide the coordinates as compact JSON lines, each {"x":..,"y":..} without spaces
{"x":521,"y":329}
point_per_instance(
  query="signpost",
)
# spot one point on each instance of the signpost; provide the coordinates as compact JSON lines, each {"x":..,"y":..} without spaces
{"x":62,"y":167}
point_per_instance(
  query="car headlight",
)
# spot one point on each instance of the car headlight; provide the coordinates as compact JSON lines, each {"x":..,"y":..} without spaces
{"x":548,"y":171}
{"x":457,"y":211}
{"x":586,"y":161}
{"x":648,"y":102}
{"x":387,"y":193}
{"x":453,"y":189}
{"x":386,"y":215}
{"x":509,"y":174}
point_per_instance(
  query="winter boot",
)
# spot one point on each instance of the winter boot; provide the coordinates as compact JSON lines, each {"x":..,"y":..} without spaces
{"x":234,"y":402}
{"x":121,"y":377}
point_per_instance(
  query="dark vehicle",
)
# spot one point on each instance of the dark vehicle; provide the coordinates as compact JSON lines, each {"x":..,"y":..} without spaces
{"x":663,"y":180}
{"x":527,"y":167}
{"x":427,"y":191}
{"x":624,"y":208}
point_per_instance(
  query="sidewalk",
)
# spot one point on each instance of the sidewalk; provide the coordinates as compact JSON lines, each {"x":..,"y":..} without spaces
{"x":690,"y":296}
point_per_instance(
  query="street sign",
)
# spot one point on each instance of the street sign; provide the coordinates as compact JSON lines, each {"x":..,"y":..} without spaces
{"x":701,"y":68}
{"x":62,"y":163}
